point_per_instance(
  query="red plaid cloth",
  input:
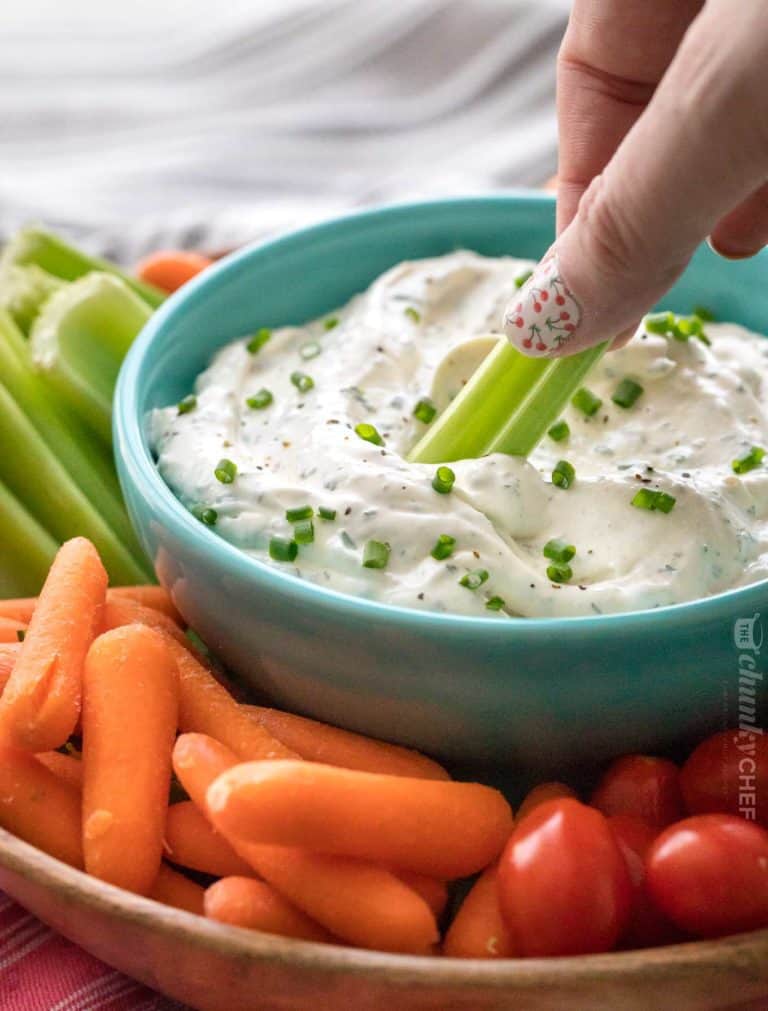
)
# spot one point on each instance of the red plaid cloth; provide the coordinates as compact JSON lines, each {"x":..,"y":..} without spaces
{"x":41,"y":971}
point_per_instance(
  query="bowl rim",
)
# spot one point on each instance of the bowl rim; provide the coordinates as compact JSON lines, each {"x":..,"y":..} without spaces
{"x":131,"y":445}
{"x":35,"y":866}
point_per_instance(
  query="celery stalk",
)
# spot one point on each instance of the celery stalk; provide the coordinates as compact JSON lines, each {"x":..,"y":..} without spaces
{"x":32,"y":472}
{"x":79,"y":340}
{"x":36,"y":246}
{"x":28,"y":549}
{"x":81,"y":452}
{"x":506,"y":407}
{"x":23,"y":290}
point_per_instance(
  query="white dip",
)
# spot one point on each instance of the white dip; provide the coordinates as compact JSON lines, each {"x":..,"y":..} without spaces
{"x":417,"y":332}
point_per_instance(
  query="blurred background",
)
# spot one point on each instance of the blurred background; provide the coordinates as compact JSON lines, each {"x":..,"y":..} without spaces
{"x":181,"y":123}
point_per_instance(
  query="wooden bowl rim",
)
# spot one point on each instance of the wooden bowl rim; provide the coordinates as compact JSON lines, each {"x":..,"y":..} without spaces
{"x":31,"y":863}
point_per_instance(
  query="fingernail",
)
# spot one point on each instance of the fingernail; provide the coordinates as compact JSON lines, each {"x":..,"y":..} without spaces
{"x":544,"y":315}
{"x":732,"y":254}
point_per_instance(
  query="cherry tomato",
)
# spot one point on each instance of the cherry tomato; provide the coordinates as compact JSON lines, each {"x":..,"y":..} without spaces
{"x":541,"y":793}
{"x":647,"y":926}
{"x":564,"y":888}
{"x":709,"y":874}
{"x":645,"y":787}
{"x":728,"y":773}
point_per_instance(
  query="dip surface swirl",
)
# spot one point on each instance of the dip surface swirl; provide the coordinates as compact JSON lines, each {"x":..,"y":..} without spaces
{"x":419,"y":332}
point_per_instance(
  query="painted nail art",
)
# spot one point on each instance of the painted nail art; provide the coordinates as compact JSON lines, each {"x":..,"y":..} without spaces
{"x":544,"y":314}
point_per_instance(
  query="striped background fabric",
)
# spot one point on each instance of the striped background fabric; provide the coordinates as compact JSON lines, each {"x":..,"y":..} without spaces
{"x":136,"y":126}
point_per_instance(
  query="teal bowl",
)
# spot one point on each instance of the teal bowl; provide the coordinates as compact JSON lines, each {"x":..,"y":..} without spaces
{"x":534,"y":693}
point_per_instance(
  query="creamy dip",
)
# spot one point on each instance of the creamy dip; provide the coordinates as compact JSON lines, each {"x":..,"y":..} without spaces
{"x":419,"y":332}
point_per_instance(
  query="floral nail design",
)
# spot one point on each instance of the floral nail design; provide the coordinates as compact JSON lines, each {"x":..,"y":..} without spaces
{"x":544,"y":314}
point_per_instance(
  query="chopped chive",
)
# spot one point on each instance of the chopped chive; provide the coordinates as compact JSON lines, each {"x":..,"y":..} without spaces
{"x":302,"y":381}
{"x":474,"y":578}
{"x":208,"y":516}
{"x":187,"y":404}
{"x":749,"y":461}
{"x":559,"y":431}
{"x":522,"y":278}
{"x":305,"y":512}
{"x":559,"y":550}
{"x":412,"y":314}
{"x":495,"y":604}
{"x":369,"y":433}
{"x":375,"y":555}
{"x":586,"y":401}
{"x":443,"y":548}
{"x":688,"y":326}
{"x":282,"y":550}
{"x":704,"y":314}
{"x":226,"y":471}
{"x":653,"y":501}
{"x":326,"y":514}
{"x":21,"y":634}
{"x":660,"y":323}
{"x":262,"y":398}
{"x":443,"y":480}
{"x":559,"y":573}
{"x":304,"y":532}
{"x":627,"y":393}
{"x":564,"y":474}
{"x":331,"y":322}
{"x":310,"y":349}
{"x":425,"y":410}
{"x":680,"y":328}
{"x":258,"y":340}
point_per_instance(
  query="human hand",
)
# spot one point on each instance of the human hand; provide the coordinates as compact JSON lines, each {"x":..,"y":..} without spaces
{"x":663,"y":113}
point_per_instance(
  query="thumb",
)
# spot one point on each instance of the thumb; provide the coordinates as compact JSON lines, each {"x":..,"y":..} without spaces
{"x":699,"y":150}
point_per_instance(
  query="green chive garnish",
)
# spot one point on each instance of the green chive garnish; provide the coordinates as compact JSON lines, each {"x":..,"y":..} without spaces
{"x":310,"y":349}
{"x":654,"y":501}
{"x":425,"y":411}
{"x":226,"y":471}
{"x":326,"y":514}
{"x":559,"y":550}
{"x":443,"y":548}
{"x":586,"y":401}
{"x":559,"y":573}
{"x":262,"y":398}
{"x":21,"y":634}
{"x":704,"y":314}
{"x":522,"y":278}
{"x":331,"y":322}
{"x":258,"y":340}
{"x":413,"y":314}
{"x":660,"y":323}
{"x":564,"y":474}
{"x":187,"y":404}
{"x":626,"y":393}
{"x":368,"y":433}
{"x":304,"y":532}
{"x":680,"y":328}
{"x":302,"y":381}
{"x":282,"y":550}
{"x":749,"y":461}
{"x":474,"y":578}
{"x":443,"y":480}
{"x":559,"y":431}
{"x":208,"y":516}
{"x":375,"y":555}
{"x":494,"y":604}
{"x":305,"y":512}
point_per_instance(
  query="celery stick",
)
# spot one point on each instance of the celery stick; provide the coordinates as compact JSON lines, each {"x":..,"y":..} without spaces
{"x":34,"y":475}
{"x":28,"y":549}
{"x":78,"y":449}
{"x":23,"y":290}
{"x":79,"y":341}
{"x":36,"y":246}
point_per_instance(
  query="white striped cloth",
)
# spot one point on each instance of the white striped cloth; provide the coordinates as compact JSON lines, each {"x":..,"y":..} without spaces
{"x":183,"y":123}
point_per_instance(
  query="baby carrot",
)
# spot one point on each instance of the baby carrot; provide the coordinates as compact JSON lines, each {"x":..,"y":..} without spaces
{"x":444,"y":829}
{"x":9,"y":652}
{"x":320,"y":742}
{"x":361,"y":903}
{"x":130,"y":707}
{"x":39,"y":807}
{"x":169,"y":269}
{"x":478,"y":930}
{"x":174,"y":889}
{"x":191,"y":841}
{"x":11,"y":630}
{"x":66,"y":767}
{"x":18,"y":608}
{"x":541,"y":793}
{"x":148,"y":596}
{"x":432,"y":890}
{"x":245,"y":902}
{"x":41,"y":702}
{"x":120,"y":611}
